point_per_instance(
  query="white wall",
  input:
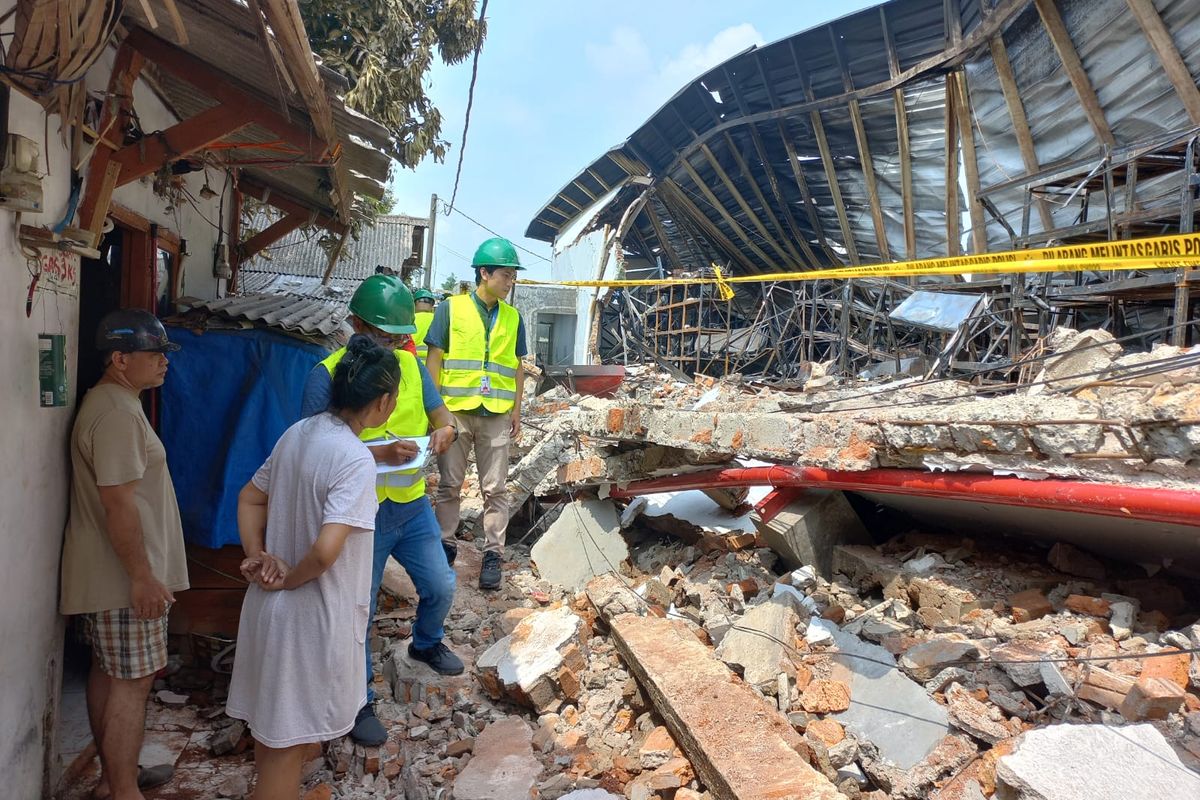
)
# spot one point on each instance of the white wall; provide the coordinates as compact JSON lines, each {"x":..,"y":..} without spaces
{"x":577,"y":261}
{"x":34,"y":481}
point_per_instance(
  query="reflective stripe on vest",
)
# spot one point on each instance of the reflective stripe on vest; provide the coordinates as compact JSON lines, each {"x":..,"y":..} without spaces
{"x":407,"y":421}
{"x":473,"y":355}
{"x":422,"y":320}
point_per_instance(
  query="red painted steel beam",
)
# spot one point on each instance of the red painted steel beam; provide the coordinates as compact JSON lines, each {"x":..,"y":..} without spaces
{"x":1176,"y":507}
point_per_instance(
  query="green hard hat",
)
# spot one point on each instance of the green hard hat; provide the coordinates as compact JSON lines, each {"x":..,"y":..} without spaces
{"x":424,"y":294}
{"x":496,"y":252}
{"x":384,"y":302}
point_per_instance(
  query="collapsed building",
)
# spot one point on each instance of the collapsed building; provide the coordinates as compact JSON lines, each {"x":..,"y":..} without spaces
{"x":913,"y":130}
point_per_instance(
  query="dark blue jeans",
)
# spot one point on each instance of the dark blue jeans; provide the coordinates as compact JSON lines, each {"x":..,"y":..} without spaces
{"x":409,"y":532}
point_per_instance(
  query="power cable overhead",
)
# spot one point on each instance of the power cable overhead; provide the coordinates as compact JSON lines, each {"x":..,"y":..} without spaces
{"x":462,"y":148}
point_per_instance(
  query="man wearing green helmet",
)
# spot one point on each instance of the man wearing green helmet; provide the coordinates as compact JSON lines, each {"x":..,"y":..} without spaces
{"x":405,"y":526}
{"x":476,"y":343}
{"x":425,"y":301}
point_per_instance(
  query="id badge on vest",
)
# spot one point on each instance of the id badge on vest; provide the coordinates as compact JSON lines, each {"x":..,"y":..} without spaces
{"x":485,"y":385}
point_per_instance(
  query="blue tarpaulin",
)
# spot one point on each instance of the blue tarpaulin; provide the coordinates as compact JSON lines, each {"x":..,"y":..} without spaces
{"x":228,"y":397}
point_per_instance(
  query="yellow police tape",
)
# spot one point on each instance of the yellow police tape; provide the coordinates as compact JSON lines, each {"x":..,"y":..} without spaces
{"x":1161,"y":252}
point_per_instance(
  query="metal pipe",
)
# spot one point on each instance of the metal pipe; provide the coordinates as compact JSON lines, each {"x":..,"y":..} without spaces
{"x":1176,"y":507}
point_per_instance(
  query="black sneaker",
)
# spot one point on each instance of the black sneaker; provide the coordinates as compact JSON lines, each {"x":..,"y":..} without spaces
{"x":451,"y":549}
{"x":368,"y":730}
{"x":443,"y":661}
{"x":489,"y":574}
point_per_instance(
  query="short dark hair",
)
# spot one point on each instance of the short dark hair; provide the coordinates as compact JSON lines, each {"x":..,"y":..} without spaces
{"x":365,"y":373}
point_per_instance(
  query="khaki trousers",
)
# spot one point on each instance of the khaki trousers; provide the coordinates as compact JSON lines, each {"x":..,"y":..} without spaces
{"x":489,"y":436}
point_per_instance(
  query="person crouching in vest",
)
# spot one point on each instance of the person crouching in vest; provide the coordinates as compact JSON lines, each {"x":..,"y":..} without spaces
{"x":425,"y":301}
{"x":405,"y":527}
{"x":475,"y":343}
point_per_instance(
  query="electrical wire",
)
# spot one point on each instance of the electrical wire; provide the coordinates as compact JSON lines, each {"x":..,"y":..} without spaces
{"x":447,"y":208}
{"x":462,"y":148}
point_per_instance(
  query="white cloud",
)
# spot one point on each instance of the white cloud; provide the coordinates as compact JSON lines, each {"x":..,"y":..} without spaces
{"x":696,"y":59}
{"x":625,"y":53}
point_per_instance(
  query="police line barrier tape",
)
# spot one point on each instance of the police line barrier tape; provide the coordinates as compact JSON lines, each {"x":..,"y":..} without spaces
{"x":1161,"y":252}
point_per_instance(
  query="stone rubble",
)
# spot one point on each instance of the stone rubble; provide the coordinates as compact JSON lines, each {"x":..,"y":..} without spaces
{"x":934,"y":665}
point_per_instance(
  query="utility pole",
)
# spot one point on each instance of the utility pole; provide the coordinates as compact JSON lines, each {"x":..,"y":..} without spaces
{"x":429,"y":250}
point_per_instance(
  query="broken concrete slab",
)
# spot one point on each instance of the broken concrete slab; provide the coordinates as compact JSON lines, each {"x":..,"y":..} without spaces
{"x":590,"y":794}
{"x":585,"y":541}
{"x":1099,"y":762}
{"x":538,"y":664}
{"x":741,"y":747}
{"x":927,"y":659}
{"x":758,"y":644}
{"x":808,"y":528}
{"x":502,"y":766}
{"x":886,"y":708}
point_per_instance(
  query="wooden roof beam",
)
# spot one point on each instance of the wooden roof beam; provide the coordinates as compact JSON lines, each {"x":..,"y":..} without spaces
{"x":156,"y":150}
{"x":1020,"y":123}
{"x":290,"y":205}
{"x":814,"y":117}
{"x":734,"y":225}
{"x":103,"y":175}
{"x":962,"y":107}
{"x":226,"y":89}
{"x":865,"y":162}
{"x":270,"y":235}
{"x":1061,"y":39}
{"x":679,"y":197}
{"x":772,"y":179}
{"x":953,"y":234}
{"x":1168,"y":55}
{"x":902,"y":141}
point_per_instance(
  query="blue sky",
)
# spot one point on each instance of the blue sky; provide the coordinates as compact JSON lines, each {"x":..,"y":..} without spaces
{"x":561,"y":82}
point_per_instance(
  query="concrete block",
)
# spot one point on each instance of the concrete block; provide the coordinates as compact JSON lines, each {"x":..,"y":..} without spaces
{"x":1067,"y":762}
{"x":886,"y":708}
{"x":756,"y":643}
{"x":502,"y":764}
{"x":585,"y":541}
{"x":539,"y":663}
{"x":807,"y":529}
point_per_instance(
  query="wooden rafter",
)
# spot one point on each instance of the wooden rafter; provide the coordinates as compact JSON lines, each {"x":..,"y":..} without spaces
{"x":745,"y":207}
{"x":150,"y":154}
{"x":1020,"y":123}
{"x":818,"y":126}
{"x":802,"y":184}
{"x":660,"y":234}
{"x":953,"y":245}
{"x":226,"y":89}
{"x":865,"y":162}
{"x":102,"y":174}
{"x":962,"y":107}
{"x":290,"y":205}
{"x":733,"y":224}
{"x":270,"y":235}
{"x":902,"y":141}
{"x":1061,"y":39}
{"x":679,"y":197}
{"x":744,"y":169}
{"x":1168,"y":55}
{"x":761,"y":150}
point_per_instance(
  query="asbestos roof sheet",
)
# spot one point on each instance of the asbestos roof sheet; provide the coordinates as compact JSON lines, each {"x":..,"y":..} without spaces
{"x":393,"y":241}
{"x":287,"y":302}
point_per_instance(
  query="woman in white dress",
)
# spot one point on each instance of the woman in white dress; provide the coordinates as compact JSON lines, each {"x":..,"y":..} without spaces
{"x":305,"y":521}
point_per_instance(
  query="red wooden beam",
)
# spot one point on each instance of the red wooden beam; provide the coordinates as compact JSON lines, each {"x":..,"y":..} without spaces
{"x":100,"y":179}
{"x":290,"y":205}
{"x":184,"y":138}
{"x":269,"y":235}
{"x":226,"y":89}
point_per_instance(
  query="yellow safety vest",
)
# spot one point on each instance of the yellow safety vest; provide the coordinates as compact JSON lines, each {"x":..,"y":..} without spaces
{"x":407,"y":421}
{"x":476,"y":359}
{"x":422,"y":321}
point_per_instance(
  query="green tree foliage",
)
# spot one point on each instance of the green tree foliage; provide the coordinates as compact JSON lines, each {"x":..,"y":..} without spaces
{"x":450,"y":284}
{"x":384,"y":49}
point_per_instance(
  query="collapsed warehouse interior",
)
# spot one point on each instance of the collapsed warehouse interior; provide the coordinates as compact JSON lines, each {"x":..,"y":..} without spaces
{"x":917,"y":129}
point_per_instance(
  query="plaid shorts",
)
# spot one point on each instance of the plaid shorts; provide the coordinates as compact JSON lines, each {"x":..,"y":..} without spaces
{"x":126,"y":647}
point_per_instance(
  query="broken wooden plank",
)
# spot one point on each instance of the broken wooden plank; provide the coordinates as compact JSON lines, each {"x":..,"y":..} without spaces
{"x":740,"y":745}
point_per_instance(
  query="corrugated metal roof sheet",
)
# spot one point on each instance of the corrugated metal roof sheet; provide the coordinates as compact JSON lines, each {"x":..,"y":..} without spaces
{"x":735,"y":156}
